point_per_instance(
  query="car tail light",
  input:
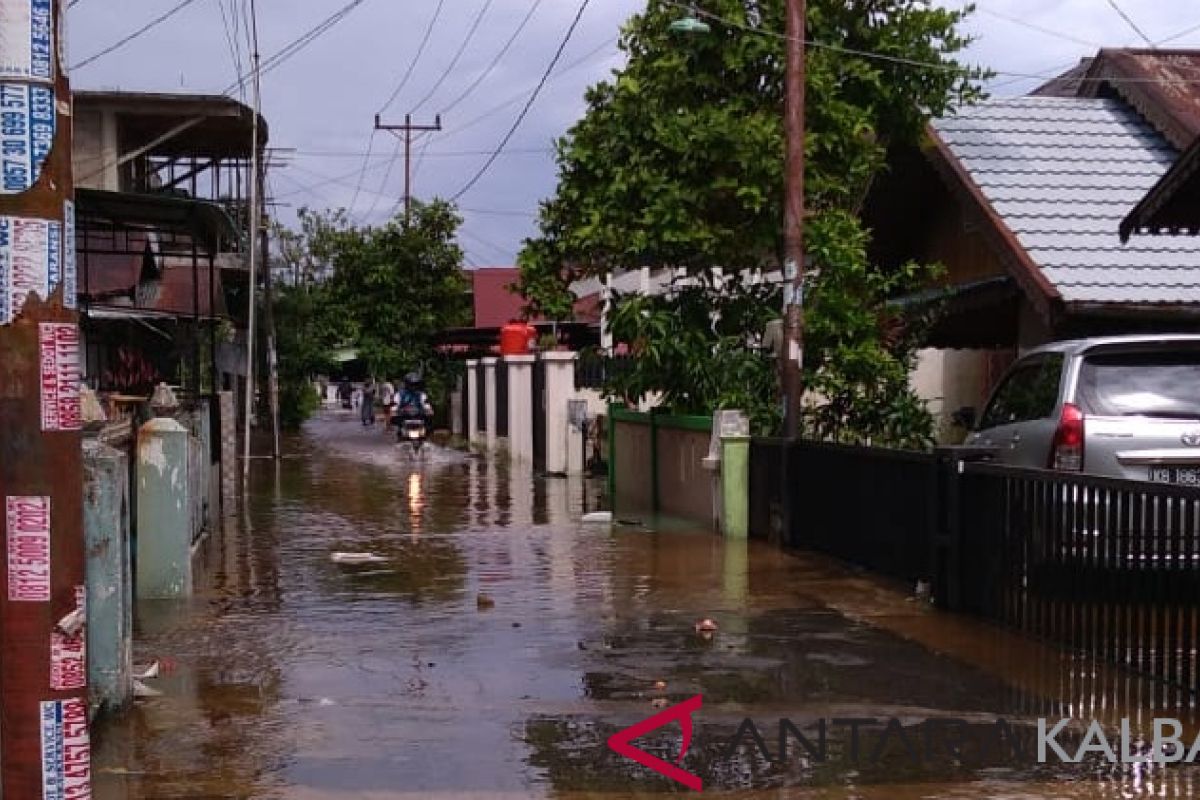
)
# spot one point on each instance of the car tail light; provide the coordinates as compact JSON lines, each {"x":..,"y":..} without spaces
{"x":1067,"y":451}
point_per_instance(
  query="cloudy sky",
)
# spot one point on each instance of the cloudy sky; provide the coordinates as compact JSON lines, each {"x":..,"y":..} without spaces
{"x":321,"y":102}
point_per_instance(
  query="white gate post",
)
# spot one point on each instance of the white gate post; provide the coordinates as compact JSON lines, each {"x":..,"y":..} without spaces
{"x":560,"y":388}
{"x":472,"y":401}
{"x":520,"y":407}
{"x":489,"y":400}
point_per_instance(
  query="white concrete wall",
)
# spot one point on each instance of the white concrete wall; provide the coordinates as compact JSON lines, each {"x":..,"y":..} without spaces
{"x":948,"y":380}
{"x":473,"y":389}
{"x":520,"y":407}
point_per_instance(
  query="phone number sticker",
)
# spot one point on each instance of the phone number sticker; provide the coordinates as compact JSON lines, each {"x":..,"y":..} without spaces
{"x":31,"y":260}
{"x":26,"y":46}
{"x":27,"y":520}
{"x":27,"y":124}
{"x":66,"y":750}
{"x":59,"y":347}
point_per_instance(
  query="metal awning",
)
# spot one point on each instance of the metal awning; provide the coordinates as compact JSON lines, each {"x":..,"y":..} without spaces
{"x":207,"y":223}
{"x":981,"y":314}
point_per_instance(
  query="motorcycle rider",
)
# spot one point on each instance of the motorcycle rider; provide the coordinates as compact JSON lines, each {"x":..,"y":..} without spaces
{"x":412,"y":402}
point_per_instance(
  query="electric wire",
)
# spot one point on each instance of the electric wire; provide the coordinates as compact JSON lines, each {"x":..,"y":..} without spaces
{"x":117,"y":45}
{"x":285,"y":53}
{"x":1129,"y":21}
{"x":495,"y":61}
{"x":521,"y":95}
{"x":235,"y":53}
{"x":901,"y":60}
{"x":1039,"y":28}
{"x":462,"y":48}
{"x":437,"y":12}
{"x":562,"y":46}
{"x":412,"y":65}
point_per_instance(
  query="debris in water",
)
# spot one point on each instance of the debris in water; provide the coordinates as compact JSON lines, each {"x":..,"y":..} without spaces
{"x":141,"y":690}
{"x":484,"y":601}
{"x":660,"y":685}
{"x":599,"y":517}
{"x":146,"y":672}
{"x":659,"y":702}
{"x":633,"y":523}
{"x":706,"y":625}
{"x":356,"y":558}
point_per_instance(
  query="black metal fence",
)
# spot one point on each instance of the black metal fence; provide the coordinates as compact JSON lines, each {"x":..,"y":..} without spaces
{"x":593,"y":370}
{"x":501,"y":397}
{"x":480,"y":399}
{"x":1107,"y":568}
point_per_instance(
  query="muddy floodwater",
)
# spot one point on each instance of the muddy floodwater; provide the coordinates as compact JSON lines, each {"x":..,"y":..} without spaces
{"x":369,"y":625}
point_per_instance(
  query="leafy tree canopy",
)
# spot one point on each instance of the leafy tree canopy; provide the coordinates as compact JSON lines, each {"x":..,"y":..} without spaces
{"x":383,"y":291}
{"x":678,"y":162}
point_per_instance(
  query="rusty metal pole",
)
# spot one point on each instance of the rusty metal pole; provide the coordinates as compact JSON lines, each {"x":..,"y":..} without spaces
{"x":43,"y":692}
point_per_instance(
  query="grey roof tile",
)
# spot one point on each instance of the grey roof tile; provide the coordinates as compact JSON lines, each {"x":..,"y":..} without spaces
{"x":1062,"y":173}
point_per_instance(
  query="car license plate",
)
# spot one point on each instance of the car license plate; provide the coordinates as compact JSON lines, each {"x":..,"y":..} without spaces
{"x":1182,"y":476}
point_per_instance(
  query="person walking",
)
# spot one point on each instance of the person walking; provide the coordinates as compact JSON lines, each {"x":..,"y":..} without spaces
{"x":387,"y":396}
{"x":368,"y":402}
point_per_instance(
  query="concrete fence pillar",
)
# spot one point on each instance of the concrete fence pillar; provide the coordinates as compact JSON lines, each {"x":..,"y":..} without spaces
{"x":560,"y":388}
{"x":473,"y":389}
{"x":456,"y":409}
{"x":164,"y":546}
{"x":520,"y":407}
{"x":735,"y":486}
{"x":489,"y":399}
{"x":229,"y":465}
{"x":109,"y":581}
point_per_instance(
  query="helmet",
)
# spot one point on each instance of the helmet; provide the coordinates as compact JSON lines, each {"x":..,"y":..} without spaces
{"x":412,"y":380}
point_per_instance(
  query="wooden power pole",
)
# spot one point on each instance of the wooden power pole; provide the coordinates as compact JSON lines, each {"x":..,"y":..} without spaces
{"x":792,"y":353}
{"x":43,"y":683}
{"x":407,"y":130}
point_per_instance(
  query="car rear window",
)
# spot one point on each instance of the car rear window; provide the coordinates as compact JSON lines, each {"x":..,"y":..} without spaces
{"x":1029,"y":392}
{"x":1152,"y":384}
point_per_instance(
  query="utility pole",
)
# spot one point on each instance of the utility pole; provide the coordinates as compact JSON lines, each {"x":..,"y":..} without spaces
{"x":43,"y":683}
{"x":408,"y":129}
{"x":255,"y":224}
{"x":791,"y":354}
{"x":791,"y":358}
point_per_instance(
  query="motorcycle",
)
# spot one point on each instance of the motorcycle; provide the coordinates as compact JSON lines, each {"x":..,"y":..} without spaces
{"x":411,"y":430}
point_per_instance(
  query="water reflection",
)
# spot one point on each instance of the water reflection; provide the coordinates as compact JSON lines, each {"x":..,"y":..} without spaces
{"x":297,"y":677}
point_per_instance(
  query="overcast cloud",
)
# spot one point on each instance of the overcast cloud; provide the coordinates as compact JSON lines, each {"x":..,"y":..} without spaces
{"x":321,"y":103}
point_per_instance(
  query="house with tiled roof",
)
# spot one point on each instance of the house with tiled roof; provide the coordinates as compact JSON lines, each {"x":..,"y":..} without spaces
{"x":1022,"y":201}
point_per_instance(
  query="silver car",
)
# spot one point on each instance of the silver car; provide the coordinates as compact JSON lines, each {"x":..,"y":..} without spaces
{"x":1123,"y":407}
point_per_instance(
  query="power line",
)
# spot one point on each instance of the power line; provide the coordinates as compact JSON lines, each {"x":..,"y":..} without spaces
{"x":901,"y":60}
{"x":289,"y":50}
{"x":457,"y":56}
{"x":127,"y":39}
{"x":235,"y":53}
{"x":432,"y":154}
{"x":1129,"y":21}
{"x":495,"y":61}
{"x":528,"y":105}
{"x":437,"y":12}
{"x":412,"y":65}
{"x":1039,"y":28}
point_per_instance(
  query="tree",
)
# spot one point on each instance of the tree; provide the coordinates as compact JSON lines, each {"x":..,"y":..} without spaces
{"x":678,"y":162}
{"x":383,"y":291}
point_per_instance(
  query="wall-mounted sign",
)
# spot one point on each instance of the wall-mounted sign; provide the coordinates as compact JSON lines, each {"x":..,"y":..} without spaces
{"x":27,"y":124}
{"x":26,"y":39}
{"x":32,"y":260}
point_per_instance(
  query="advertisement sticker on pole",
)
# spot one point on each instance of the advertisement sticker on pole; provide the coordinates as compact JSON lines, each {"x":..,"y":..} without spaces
{"x":26,"y":49}
{"x":27,"y":126}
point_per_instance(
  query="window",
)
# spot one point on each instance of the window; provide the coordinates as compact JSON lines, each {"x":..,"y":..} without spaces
{"x":1029,"y":392}
{"x":1148,"y":383}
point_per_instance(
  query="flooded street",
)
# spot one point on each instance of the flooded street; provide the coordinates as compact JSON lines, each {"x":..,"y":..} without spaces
{"x":496,"y":642}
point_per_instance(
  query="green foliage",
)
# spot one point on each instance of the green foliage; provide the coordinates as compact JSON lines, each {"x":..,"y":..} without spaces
{"x":298,"y":400}
{"x":678,"y":162}
{"x":382,"y":291}
{"x":700,"y":346}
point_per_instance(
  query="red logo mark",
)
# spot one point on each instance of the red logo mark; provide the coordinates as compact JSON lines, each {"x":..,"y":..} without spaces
{"x":620,"y":742}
